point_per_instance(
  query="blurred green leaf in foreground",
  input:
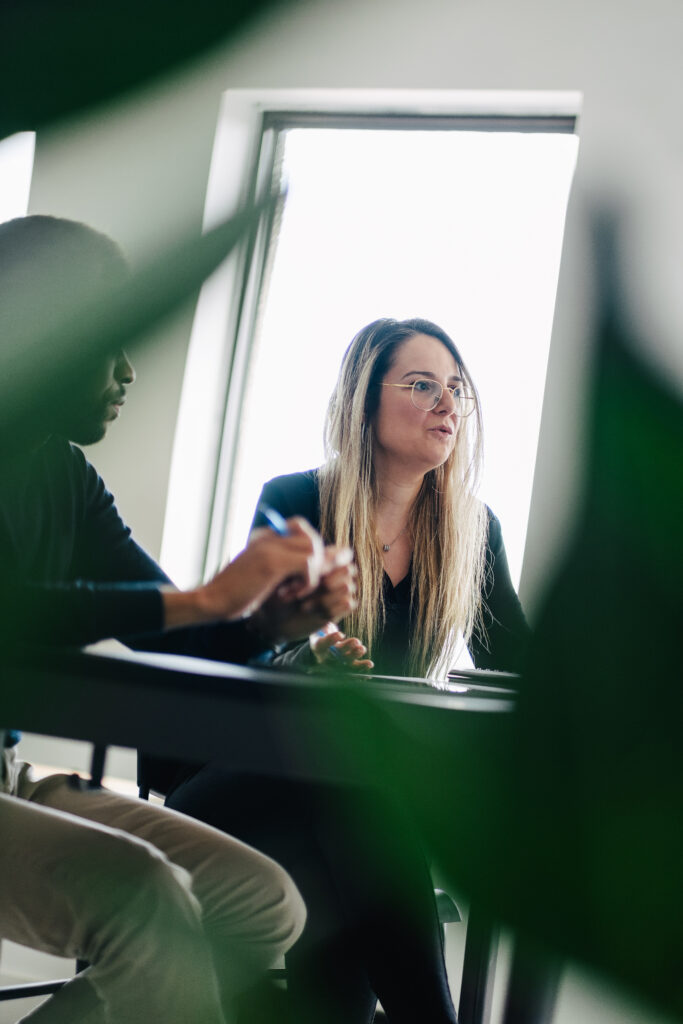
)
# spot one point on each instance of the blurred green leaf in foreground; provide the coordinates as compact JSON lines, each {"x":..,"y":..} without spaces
{"x":568,"y":823}
{"x":51,"y":327}
{"x":58,"y":57}
{"x":564,"y":820}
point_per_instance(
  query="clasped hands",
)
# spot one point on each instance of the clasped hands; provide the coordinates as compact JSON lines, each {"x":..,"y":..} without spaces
{"x":289,"y":587}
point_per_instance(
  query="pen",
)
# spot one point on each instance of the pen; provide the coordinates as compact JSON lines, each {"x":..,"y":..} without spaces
{"x":274,"y":519}
{"x":278,"y":524}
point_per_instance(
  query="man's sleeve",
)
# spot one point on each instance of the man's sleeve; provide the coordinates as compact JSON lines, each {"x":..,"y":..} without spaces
{"x":106,"y":584}
{"x":112,"y":590}
{"x":77,"y":613}
{"x":108,"y":552}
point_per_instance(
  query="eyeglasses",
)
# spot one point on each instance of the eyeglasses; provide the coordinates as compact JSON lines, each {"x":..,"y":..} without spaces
{"x":426,"y":394}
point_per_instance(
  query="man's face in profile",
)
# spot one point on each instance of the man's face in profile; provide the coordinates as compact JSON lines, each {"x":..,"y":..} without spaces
{"x":95,"y":399}
{"x":50,"y":270}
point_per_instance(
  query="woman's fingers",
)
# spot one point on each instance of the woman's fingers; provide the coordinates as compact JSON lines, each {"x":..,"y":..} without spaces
{"x":330,"y":646}
{"x":351,"y":647}
{"x":362,"y":665}
{"x":321,"y":641}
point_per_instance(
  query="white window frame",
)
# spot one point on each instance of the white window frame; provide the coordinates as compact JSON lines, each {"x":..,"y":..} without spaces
{"x":243,"y":158}
{"x":17,"y":154}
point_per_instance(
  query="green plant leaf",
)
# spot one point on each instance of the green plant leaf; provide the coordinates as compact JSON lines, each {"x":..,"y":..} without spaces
{"x":42,"y":351}
{"x":567,"y":824}
{"x":58,"y":57}
{"x":563,"y":820}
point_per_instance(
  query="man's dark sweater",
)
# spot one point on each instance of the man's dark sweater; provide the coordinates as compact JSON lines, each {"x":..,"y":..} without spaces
{"x":70,"y":572}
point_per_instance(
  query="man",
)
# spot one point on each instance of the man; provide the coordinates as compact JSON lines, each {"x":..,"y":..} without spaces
{"x":174,"y":917}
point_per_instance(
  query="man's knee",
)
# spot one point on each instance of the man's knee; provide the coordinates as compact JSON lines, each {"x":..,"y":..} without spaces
{"x":283,"y":907}
{"x":137,"y":897}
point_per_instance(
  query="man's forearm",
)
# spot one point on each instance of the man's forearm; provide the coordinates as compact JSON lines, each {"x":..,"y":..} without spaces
{"x":186,"y":608}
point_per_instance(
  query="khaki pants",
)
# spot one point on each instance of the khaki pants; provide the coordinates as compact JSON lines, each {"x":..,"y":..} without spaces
{"x":174,"y":917}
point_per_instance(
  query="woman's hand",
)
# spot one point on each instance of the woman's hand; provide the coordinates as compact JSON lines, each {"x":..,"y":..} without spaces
{"x":349,"y":650}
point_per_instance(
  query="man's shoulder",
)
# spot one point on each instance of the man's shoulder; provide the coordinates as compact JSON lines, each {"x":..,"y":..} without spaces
{"x":59,"y":452}
{"x":68,"y":464}
{"x":58,"y":459}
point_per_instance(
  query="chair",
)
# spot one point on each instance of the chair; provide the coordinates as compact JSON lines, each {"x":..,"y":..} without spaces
{"x":480,"y":942}
{"x":481,"y":939}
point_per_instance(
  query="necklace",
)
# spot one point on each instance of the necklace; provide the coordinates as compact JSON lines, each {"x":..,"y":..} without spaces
{"x":388,"y":547}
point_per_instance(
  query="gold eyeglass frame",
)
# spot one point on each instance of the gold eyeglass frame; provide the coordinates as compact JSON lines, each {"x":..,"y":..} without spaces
{"x":455,"y":387}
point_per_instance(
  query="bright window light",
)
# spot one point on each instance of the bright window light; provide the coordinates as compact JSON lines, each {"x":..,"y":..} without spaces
{"x":16,"y":167}
{"x":461,"y":227}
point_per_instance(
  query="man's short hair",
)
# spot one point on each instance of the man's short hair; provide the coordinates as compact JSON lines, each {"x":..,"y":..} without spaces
{"x":52,"y":261}
{"x":50,"y":270}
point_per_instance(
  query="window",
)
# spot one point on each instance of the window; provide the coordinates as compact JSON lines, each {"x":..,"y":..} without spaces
{"x":452,"y":210}
{"x":16,"y":167}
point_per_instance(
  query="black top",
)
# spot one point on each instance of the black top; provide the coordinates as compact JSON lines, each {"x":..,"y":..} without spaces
{"x":70,"y":572}
{"x":66,"y":555}
{"x":506,"y":627}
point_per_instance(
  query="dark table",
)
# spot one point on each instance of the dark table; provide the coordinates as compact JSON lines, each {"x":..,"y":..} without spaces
{"x":257,"y":719}
{"x":340,"y":729}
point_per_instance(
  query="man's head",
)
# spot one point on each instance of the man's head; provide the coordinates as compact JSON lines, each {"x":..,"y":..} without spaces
{"x":48,"y":267}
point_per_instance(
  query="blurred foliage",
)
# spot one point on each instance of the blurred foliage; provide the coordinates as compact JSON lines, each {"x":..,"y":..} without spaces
{"x":599,"y":767}
{"x":48,"y":345}
{"x":565,"y":820}
{"x":59,"y":57}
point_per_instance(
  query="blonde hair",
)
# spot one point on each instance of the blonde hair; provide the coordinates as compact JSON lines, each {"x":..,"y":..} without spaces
{"x":448,"y":523}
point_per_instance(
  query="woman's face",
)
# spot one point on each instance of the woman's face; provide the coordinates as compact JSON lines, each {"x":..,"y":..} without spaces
{"x":410,"y":440}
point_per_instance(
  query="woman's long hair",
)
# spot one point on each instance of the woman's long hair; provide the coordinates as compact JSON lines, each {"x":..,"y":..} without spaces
{"x":448,"y":523}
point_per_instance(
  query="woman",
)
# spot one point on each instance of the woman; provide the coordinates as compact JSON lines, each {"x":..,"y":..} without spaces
{"x":404,"y":450}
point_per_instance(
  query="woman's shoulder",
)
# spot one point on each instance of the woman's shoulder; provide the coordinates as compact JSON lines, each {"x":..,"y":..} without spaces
{"x":305,"y":482}
{"x":303,"y":477}
{"x":494,"y":535}
{"x":294,"y":494}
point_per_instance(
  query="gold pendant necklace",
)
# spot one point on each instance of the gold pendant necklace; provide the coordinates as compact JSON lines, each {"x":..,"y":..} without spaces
{"x":388,"y":547}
